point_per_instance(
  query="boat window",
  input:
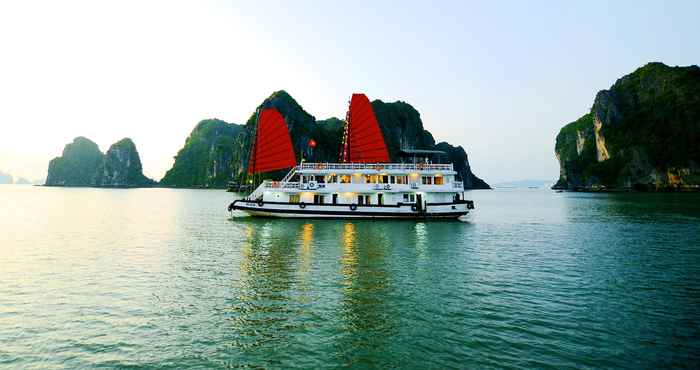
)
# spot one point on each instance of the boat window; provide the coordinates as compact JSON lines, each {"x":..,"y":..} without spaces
{"x":335,"y":198}
{"x":367,"y":199}
{"x":385,"y":179}
{"x":380,"y":199}
{"x":405,"y":197}
{"x":318,"y":199}
{"x":294,"y":198}
{"x":345,"y":179}
{"x":360,"y":199}
{"x":412,"y":198}
{"x":392,"y":179}
{"x":439,"y":180}
{"x":321,"y":179}
{"x":427,"y":180}
{"x":332,"y":179}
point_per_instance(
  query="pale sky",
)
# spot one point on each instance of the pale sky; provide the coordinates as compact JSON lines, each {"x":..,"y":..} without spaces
{"x":499,"y":78}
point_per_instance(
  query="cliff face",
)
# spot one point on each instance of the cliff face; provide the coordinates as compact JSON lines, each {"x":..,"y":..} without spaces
{"x":641,"y":134}
{"x":121,"y":166}
{"x":83,"y":164}
{"x":400,"y":123}
{"x":212,"y":154}
{"x":402,"y":128}
{"x":78,"y":165}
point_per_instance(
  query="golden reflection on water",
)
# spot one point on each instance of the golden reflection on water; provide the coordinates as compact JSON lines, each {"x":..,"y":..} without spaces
{"x":366,"y":287}
{"x":247,"y":249}
{"x":349,"y":258}
{"x":306,"y":255}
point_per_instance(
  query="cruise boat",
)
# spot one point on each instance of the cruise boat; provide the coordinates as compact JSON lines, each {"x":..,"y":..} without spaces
{"x":362,"y":185}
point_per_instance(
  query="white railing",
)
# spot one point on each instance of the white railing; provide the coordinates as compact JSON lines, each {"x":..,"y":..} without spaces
{"x":352,"y":187}
{"x":280,"y":184}
{"x":289,"y":175}
{"x":376,"y":166}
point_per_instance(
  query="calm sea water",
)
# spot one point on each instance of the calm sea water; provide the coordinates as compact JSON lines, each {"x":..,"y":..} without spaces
{"x":163,"y":278}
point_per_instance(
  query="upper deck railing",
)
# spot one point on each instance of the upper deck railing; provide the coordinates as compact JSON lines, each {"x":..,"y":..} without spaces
{"x":376,"y":166}
{"x":280,"y":184}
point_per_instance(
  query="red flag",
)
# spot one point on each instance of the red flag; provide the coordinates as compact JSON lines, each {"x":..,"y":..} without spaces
{"x":312,"y":143}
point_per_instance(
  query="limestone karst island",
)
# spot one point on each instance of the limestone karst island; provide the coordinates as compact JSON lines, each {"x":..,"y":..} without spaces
{"x":216,"y":152}
{"x":642,"y":134}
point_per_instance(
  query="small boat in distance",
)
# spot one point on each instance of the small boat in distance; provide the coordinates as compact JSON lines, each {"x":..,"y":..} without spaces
{"x":362,"y":185}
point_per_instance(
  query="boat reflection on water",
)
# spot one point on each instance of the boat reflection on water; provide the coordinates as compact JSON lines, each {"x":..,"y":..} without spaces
{"x":262,"y":309}
{"x":329,"y":283}
{"x":365,"y":314}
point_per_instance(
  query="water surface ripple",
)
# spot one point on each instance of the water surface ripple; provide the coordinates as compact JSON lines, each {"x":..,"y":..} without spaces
{"x":161,"y":278}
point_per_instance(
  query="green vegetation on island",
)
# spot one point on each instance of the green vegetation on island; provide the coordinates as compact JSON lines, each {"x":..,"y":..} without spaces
{"x":216,"y":152}
{"x":641,"y":134}
{"x":83,"y":164}
{"x":213,"y":152}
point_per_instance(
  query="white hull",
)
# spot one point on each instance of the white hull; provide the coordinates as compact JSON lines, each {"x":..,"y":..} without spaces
{"x":401,"y":211}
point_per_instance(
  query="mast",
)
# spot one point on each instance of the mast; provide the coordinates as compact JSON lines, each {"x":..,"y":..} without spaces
{"x":345,"y":148}
{"x":253,"y":147}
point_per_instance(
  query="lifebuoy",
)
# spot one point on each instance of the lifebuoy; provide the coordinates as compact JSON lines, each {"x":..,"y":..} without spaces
{"x":313,"y":184}
{"x":414,"y":207}
{"x":387,"y":187}
{"x":302,"y":205}
{"x":260,"y":202}
{"x":353,"y":207}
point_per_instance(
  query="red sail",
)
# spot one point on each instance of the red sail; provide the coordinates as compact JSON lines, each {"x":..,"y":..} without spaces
{"x":272,"y":149}
{"x":364,"y":142}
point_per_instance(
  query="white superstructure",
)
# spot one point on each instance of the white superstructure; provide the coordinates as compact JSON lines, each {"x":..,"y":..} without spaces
{"x":361,"y":190}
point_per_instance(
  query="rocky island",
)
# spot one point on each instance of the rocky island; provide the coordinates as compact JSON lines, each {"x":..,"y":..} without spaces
{"x":5,"y":178}
{"x":83,"y":164}
{"x":642,"y":134}
{"x":216,"y":152}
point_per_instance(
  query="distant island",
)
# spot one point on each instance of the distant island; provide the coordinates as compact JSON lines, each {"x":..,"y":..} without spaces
{"x":216,"y":152}
{"x":642,"y":134}
{"x":524,"y":184}
{"x":83,"y":164}
{"x":5,"y":178}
